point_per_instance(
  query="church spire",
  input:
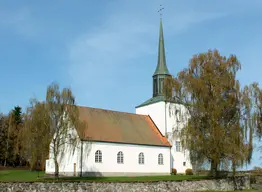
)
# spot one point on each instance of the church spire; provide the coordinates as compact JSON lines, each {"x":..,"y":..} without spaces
{"x":161,"y":71}
{"x":161,"y":64}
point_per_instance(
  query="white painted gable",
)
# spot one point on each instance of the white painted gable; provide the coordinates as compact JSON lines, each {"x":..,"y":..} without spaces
{"x":170,"y":118}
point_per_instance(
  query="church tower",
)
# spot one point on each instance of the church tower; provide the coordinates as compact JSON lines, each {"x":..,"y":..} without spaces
{"x":161,"y":71}
{"x":166,"y":114}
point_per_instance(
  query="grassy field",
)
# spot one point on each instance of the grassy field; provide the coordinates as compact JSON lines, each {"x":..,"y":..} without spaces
{"x":19,"y":175}
{"x":24,"y":175}
{"x":134,"y":179}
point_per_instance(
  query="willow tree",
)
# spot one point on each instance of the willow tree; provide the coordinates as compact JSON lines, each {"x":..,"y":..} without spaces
{"x":63,"y":115}
{"x":223,"y":117}
{"x":36,"y":134}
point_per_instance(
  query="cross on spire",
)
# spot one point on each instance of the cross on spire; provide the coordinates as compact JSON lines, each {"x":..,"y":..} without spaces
{"x":160,"y":11}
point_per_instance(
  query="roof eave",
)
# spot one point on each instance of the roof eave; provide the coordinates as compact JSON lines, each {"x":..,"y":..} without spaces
{"x":90,"y":140}
{"x":149,"y":103}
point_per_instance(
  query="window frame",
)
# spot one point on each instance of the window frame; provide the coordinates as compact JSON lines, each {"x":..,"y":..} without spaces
{"x":98,"y":156}
{"x":120,"y":157}
{"x":141,"y":158}
{"x":160,"y":159}
{"x":178,"y":147}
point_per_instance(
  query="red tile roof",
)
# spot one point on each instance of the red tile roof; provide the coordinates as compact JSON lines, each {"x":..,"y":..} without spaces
{"x":120,"y":127}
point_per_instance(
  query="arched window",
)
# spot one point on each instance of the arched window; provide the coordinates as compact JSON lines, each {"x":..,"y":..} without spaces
{"x":98,"y":156}
{"x":120,"y":157}
{"x":141,"y":158}
{"x":160,"y":159}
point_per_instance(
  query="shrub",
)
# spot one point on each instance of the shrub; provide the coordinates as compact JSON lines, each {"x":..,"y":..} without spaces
{"x":256,"y":171}
{"x":203,"y":172}
{"x":174,"y":171}
{"x":189,"y":172}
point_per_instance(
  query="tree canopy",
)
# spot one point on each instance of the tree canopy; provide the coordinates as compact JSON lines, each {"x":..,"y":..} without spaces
{"x":62,"y":115}
{"x":223,"y":115}
{"x":44,"y":128}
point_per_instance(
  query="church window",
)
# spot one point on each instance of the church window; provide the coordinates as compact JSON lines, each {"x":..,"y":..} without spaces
{"x":141,"y":159}
{"x":184,"y":163}
{"x":178,"y":147}
{"x":98,"y":156}
{"x":155,"y":86}
{"x":178,"y":115}
{"x":120,"y":157}
{"x":161,"y":85}
{"x":160,"y":159}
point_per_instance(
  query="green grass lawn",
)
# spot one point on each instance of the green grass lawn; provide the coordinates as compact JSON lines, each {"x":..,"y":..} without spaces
{"x":134,"y":179}
{"x":19,"y":175}
{"x":24,"y":175}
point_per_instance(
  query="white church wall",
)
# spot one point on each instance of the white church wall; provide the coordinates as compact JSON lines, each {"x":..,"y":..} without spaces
{"x":65,"y":151}
{"x":70,"y":164}
{"x":177,"y":117}
{"x":68,"y":155}
{"x":170,"y":118}
{"x":155,"y":111}
{"x":130,"y":166}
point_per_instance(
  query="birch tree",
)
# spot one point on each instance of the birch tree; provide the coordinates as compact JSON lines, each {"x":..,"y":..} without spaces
{"x":63,"y":114}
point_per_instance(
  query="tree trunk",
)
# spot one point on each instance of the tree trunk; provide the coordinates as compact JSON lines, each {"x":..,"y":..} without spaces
{"x":213,"y":171}
{"x":7,"y":142}
{"x":56,"y":169}
{"x":234,"y":167}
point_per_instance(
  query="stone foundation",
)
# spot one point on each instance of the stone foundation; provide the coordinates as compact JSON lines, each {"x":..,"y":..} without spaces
{"x":159,"y":186}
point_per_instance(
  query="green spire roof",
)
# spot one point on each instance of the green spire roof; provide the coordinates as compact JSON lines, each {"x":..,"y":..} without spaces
{"x":161,"y":64}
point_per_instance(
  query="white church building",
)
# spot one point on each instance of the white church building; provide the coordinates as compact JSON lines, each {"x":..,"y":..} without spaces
{"x":127,"y":144}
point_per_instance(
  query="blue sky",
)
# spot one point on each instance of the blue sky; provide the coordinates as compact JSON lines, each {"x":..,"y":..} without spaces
{"x":106,"y":50}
